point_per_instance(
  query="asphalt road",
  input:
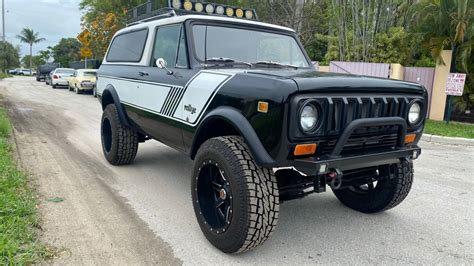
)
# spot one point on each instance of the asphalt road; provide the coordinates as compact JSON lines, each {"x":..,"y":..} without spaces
{"x":143,"y":213}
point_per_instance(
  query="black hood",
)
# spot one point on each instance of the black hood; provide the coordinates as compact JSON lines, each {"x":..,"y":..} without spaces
{"x":313,"y":81}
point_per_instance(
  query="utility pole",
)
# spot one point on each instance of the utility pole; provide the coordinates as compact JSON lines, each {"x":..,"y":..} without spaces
{"x":3,"y":21}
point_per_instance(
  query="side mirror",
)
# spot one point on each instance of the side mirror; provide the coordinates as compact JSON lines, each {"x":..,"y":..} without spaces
{"x":161,"y":63}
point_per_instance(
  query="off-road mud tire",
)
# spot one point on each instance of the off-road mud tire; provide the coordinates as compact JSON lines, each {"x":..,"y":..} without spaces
{"x":387,"y":193}
{"x":121,"y":145}
{"x":255,"y":201}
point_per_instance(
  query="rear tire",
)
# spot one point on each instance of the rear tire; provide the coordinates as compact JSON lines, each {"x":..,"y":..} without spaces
{"x":386,"y":194}
{"x":225,"y":173}
{"x":119,"y":143}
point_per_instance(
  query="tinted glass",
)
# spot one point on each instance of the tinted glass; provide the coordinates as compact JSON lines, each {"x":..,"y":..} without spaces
{"x":170,"y":45}
{"x":247,"y":45}
{"x":90,"y":74}
{"x":65,"y":71}
{"x":128,"y":47}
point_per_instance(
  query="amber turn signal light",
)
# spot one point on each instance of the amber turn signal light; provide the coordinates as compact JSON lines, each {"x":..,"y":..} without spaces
{"x":305,"y":149}
{"x":410,"y":138}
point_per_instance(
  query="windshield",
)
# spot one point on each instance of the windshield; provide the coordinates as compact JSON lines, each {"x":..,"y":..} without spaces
{"x":247,"y":46}
{"x":65,"y":71}
{"x":89,"y":74}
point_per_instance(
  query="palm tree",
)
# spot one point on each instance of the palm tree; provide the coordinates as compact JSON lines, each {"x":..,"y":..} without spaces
{"x":30,"y":37}
{"x":446,"y":24}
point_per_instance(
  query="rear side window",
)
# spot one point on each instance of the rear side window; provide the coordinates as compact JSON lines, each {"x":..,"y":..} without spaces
{"x":128,"y":47}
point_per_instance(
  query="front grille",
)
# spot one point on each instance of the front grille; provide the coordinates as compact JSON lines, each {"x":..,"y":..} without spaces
{"x":343,"y":110}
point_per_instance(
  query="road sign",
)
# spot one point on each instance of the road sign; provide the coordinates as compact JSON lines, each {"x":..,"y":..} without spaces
{"x":455,"y":84}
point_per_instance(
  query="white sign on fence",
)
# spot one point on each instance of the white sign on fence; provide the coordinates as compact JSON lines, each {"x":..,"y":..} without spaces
{"x":455,"y":84}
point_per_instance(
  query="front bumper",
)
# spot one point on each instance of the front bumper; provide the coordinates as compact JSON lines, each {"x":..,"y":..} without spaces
{"x":334,"y":160}
{"x":313,"y":167}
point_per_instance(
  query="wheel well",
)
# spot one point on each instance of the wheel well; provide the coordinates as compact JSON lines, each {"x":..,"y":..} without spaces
{"x":107,"y":99}
{"x":216,"y":127}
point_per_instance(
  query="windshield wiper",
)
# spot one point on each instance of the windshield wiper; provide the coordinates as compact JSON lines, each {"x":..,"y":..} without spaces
{"x":226,"y":61}
{"x":271,"y":63}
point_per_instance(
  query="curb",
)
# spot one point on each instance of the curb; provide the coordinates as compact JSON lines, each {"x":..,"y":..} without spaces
{"x":447,"y":140}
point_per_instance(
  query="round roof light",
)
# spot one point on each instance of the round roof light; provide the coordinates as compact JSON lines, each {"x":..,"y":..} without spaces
{"x":239,"y":13}
{"x":229,"y":11}
{"x":198,"y":7}
{"x":176,"y":4}
{"x":249,"y":14}
{"x":210,"y":9}
{"x":188,"y":5}
{"x":220,"y":10}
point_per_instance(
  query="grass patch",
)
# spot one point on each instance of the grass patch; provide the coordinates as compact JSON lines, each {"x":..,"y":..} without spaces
{"x":3,"y":75}
{"x":18,"y":212}
{"x":453,"y":129}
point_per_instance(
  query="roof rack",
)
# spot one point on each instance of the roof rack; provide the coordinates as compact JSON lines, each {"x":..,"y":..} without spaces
{"x":160,"y":9}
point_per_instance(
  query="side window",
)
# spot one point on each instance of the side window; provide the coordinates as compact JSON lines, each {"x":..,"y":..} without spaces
{"x":170,"y":44}
{"x":128,"y":47}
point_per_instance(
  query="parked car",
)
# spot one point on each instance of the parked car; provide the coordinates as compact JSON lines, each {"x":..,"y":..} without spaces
{"x":44,"y":70}
{"x":25,"y":72}
{"x":48,"y":78}
{"x":82,"y":80}
{"x":13,"y":71}
{"x":242,"y":99}
{"x":60,"y":77}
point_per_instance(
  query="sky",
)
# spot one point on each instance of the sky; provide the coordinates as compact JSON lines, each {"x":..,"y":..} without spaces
{"x":53,"y":19}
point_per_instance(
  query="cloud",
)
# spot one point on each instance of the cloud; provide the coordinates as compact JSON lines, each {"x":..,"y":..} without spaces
{"x":53,"y":19}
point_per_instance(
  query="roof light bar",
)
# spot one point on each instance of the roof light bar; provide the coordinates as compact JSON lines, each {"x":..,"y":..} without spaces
{"x":213,"y":9}
{"x":155,"y":9}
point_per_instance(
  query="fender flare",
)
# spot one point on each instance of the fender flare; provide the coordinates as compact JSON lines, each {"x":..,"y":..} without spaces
{"x":110,"y":91}
{"x":245,"y":129}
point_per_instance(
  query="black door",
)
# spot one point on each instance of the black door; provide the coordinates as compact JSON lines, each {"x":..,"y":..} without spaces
{"x":166,"y":84}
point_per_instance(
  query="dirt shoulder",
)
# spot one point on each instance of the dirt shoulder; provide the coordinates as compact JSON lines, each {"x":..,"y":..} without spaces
{"x":93,"y":225}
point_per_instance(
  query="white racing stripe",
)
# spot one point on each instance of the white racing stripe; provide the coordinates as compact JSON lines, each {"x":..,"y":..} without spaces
{"x":186,"y":105}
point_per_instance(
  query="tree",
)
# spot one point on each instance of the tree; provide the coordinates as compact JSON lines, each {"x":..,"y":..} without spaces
{"x":9,"y":56}
{"x":30,"y":37}
{"x":66,"y":51}
{"x":102,"y":19}
{"x":448,"y":24}
{"x":37,"y":61}
{"x":45,"y":55}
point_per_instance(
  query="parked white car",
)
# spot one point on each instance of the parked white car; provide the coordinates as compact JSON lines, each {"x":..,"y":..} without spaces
{"x":60,"y":77}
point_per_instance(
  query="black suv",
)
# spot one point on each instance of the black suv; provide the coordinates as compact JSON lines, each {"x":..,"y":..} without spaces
{"x":241,"y":98}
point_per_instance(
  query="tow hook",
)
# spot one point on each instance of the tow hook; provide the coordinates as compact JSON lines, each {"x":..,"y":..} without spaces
{"x":335,"y":178}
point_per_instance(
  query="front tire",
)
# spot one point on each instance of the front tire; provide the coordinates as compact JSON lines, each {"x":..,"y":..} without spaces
{"x":76,"y":90}
{"x":235,"y":201}
{"x":385,"y":194}
{"x":119,"y":143}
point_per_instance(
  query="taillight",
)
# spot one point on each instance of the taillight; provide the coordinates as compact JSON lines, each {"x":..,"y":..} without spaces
{"x":55,"y":76}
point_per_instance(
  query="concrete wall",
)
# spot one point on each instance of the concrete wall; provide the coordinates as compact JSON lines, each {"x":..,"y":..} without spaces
{"x":323,"y":68}
{"x":438,"y":99}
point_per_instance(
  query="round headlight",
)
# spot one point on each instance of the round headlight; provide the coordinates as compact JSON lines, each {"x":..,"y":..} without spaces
{"x":309,"y":117}
{"x":414,"y":114}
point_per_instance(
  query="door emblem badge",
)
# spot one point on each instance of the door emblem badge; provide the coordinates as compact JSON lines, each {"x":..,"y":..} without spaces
{"x":190,"y":108}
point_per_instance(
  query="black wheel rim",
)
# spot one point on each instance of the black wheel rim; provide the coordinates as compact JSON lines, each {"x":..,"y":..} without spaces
{"x":214,"y":197}
{"x":107,"y":135}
